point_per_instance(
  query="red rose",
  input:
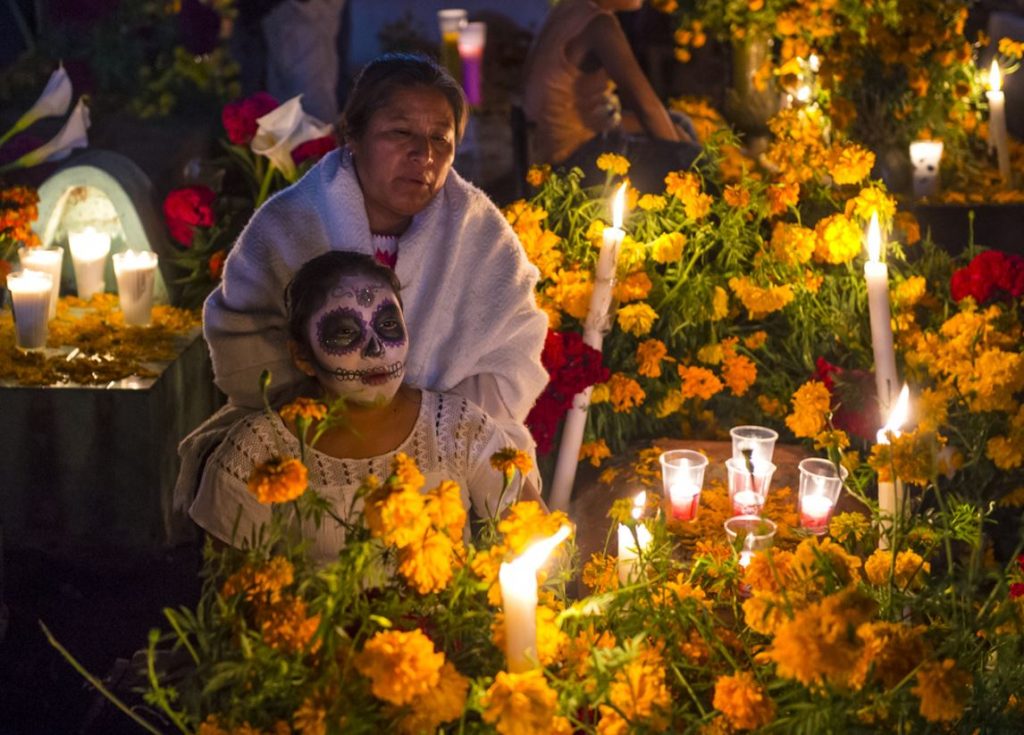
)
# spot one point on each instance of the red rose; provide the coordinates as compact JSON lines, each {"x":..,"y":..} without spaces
{"x":188,"y":208}
{"x":239,"y":117}
{"x":1016,"y":590}
{"x":991,"y":273}
{"x":313,"y":150}
{"x":216,"y":264}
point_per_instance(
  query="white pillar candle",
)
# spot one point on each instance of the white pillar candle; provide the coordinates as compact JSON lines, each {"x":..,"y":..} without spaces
{"x":46,"y":260}
{"x":593,"y":336}
{"x":630,"y":548}
{"x":997,"y":120}
{"x":890,"y":493}
{"x":30,"y":297}
{"x":926,"y":155}
{"x":89,"y":250}
{"x":136,"y":276}
{"x":518,"y":581}
{"x":876,"y":273}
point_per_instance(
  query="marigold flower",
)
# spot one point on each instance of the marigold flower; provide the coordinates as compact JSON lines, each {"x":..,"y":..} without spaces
{"x":526,"y":522}
{"x":668,"y":247}
{"x":943,"y":690}
{"x":637,"y":319}
{"x":792,"y":244}
{"x":849,"y":527}
{"x":263,"y":583}
{"x":279,"y":480}
{"x":600,"y":574}
{"x":871,"y":200}
{"x":600,"y":394}
{"x":445,"y":508}
{"x":652,"y":203}
{"x":782,"y":196}
{"x":305,"y":408}
{"x":850,"y":163}
{"x":743,"y":701}
{"x":839,"y":240}
{"x":537,"y":175}
{"x":910,"y":567}
{"x":719,"y":304}
{"x":711,"y":354}
{"x":405,"y":473}
{"x":438,"y":705}
{"x":759,"y":301}
{"x":396,"y":517}
{"x":524,"y":216}
{"x":633,"y":287}
{"x":686,"y":187}
{"x":486,"y":565}
{"x":571,"y":291}
{"x":638,"y":691}
{"x":698,"y":382}
{"x":613,"y":163}
{"x":285,"y":625}
{"x":594,"y":451}
{"x":739,"y":373}
{"x":427,"y":564}
{"x":625,"y":393}
{"x":891,"y":651}
{"x":771,"y":406}
{"x":909,"y":228}
{"x":401,"y":665}
{"x":649,"y":355}
{"x":811,"y":404}
{"x":520,"y":704}
{"x":736,"y":195}
{"x":510,"y":459}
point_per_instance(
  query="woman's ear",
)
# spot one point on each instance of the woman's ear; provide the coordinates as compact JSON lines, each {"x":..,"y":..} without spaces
{"x":300,"y":356}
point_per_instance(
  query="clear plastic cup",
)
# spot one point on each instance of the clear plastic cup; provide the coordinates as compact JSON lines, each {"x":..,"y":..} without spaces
{"x":682,"y":477}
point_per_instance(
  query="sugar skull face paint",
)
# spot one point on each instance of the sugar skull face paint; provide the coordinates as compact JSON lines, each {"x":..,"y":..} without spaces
{"x":358,"y":341}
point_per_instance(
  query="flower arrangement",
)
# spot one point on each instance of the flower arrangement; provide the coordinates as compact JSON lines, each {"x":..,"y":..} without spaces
{"x":269,"y":145}
{"x":406,"y":630}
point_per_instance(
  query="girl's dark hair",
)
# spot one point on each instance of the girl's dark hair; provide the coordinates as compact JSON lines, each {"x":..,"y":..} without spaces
{"x":389,"y":73}
{"x":312,"y":284}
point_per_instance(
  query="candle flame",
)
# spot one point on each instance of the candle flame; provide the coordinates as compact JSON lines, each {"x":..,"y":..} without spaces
{"x":995,"y":77}
{"x":814,"y":62}
{"x":899,"y":413}
{"x":804,"y":93}
{"x":639,"y":503}
{"x":537,"y":553}
{"x":874,"y":239}
{"x":619,"y":206}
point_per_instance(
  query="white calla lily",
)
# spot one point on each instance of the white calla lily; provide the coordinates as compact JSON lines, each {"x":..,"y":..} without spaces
{"x":72,"y":135}
{"x":53,"y":102}
{"x":283,"y":129}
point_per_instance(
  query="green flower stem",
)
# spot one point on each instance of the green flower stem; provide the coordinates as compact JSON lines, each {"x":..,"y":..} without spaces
{"x":172,"y":618}
{"x":268,"y":176}
{"x":693,"y":695}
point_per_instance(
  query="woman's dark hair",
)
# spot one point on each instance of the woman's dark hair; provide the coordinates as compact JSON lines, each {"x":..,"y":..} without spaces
{"x":312,"y":284}
{"x":389,"y":73}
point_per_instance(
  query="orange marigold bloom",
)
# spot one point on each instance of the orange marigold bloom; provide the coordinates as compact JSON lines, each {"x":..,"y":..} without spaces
{"x":792,"y":244}
{"x":262,"y":583}
{"x":850,"y":164}
{"x":601,"y":574}
{"x":649,"y":355}
{"x":526,"y":522}
{"x":633,"y":287}
{"x":285,"y":626}
{"x":595,"y":451}
{"x":396,"y":517}
{"x":736,"y":195}
{"x":305,"y":408}
{"x":401,"y":665}
{"x":908,"y":225}
{"x":782,"y":196}
{"x":427,"y":564}
{"x":405,"y":473}
{"x":743,"y":701}
{"x":279,"y":480}
{"x":443,"y":703}
{"x":943,"y":690}
{"x":625,"y":393}
{"x":520,"y":704}
{"x":839,"y":240}
{"x":537,"y":175}
{"x":698,"y":382}
{"x":811,"y":403}
{"x":739,"y":373}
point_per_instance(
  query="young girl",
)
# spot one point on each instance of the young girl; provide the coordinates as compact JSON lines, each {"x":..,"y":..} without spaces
{"x":347,"y":333}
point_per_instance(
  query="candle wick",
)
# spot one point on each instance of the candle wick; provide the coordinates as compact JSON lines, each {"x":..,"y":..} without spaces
{"x":748,"y":461}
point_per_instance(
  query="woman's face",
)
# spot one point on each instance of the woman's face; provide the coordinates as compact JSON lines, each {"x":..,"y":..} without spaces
{"x":404,"y":156}
{"x":358,"y":342}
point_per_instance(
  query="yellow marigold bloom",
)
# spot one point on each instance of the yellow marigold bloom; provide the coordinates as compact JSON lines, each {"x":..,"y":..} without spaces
{"x":279,"y":480}
{"x":633,"y":287}
{"x":764,"y":613}
{"x":849,"y":527}
{"x":520,"y":704}
{"x":668,"y":247}
{"x":891,"y":651}
{"x":445,"y":508}
{"x":510,"y":459}
{"x":551,"y":640}
{"x":909,"y":568}
{"x":1007,"y":452}
{"x":305,"y":408}
{"x":285,"y":626}
{"x":755,"y":340}
{"x":614,"y":163}
{"x":736,"y":195}
{"x":769,"y":572}
{"x":686,"y":187}
{"x":571,"y":290}
{"x":743,"y":701}
{"x":625,"y":393}
{"x":649,"y":355}
{"x":782,"y":196}
{"x":671,"y":403}
{"x":814,"y":558}
{"x":401,"y":665}
{"x":839,"y":240}
{"x":526,"y":522}
{"x":638,"y":691}
{"x":771,"y":406}
{"x":396,"y":517}
{"x":537,"y":175}
{"x":600,"y":394}
{"x":443,"y":703}
{"x":909,"y":293}
{"x":405,"y":473}
{"x":711,"y":354}
{"x":652,"y":203}
{"x":811,"y":405}
{"x":792,"y":244}
{"x":759,"y":301}
{"x":542,"y":249}
{"x":698,"y":382}
{"x":595,"y":232}
{"x":719,"y":304}
{"x":578,"y":652}
{"x":871,"y":200}
{"x":486,"y":565}
{"x":637,"y":319}
{"x":943,"y":690}
{"x":816,"y":645}
{"x":850,"y":163}
{"x":739,"y":373}
{"x":832,"y":439}
{"x":524,"y":216}
{"x":911,"y":456}
{"x":677,"y":591}
{"x":262,"y":583}
{"x":600,"y":574}
{"x":594,"y":451}
{"x":1010,"y":47}
{"x":427,"y":564}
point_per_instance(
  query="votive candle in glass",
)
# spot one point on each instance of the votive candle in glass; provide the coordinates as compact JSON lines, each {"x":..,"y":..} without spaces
{"x":136,"y":276}
{"x":748,"y":485}
{"x":89,"y":250}
{"x":30,"y":300}
{"x":749,"y":535}
{"x":758,"y":440}
{"x":472,"y":39}
{"x":682,"y":477}
{"x":820,"y":485}
{"x":451,"y":21}
{"x":46,"y":260}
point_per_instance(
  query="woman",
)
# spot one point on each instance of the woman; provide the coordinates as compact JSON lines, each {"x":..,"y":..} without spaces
{"x":580,"y":58}
{"x":347,"y":335}
{"x":390,"y":192}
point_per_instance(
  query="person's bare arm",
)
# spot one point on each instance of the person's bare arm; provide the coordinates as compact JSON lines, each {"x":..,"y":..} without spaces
{"x":605,"y":39}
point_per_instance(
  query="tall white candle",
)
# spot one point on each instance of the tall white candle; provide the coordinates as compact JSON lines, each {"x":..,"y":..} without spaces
{"x":89,"y":250}
{"x":47,"y":260}
{"x":890,"y":493}
{"x":593,"y":335}
{"x":997,"y":120}
{"x":30,"y":297}
{"x":136,"y":275}
{"x":876,"y":273}
{"x":518,"y":581}
{"x":630,"y":548}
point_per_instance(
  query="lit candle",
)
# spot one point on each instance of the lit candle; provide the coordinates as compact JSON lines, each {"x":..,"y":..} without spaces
{"x":46,"y":260}
{"x":821,"y":482}
{"x":747,"y":503}
{"x":890,"y":493}
{"x":815,"y":510}
{"x":685,"y":498}
{"x":593,"y":335}
{"x":630,"y":548}
{"x":472,"y":38}
{"x":997,"y":120}
{"x":682,"y":477}
{"x":518,"y":581}
{"x":748,"y":485}
{"x":30,"y":297}
{"x":136,"y":275}
{"x":451,"y":21}
{"x":876,"y":273}
{"x":89,"y":251}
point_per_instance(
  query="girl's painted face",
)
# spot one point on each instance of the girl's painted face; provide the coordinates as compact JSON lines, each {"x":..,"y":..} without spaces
{"x":359,"y":342}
